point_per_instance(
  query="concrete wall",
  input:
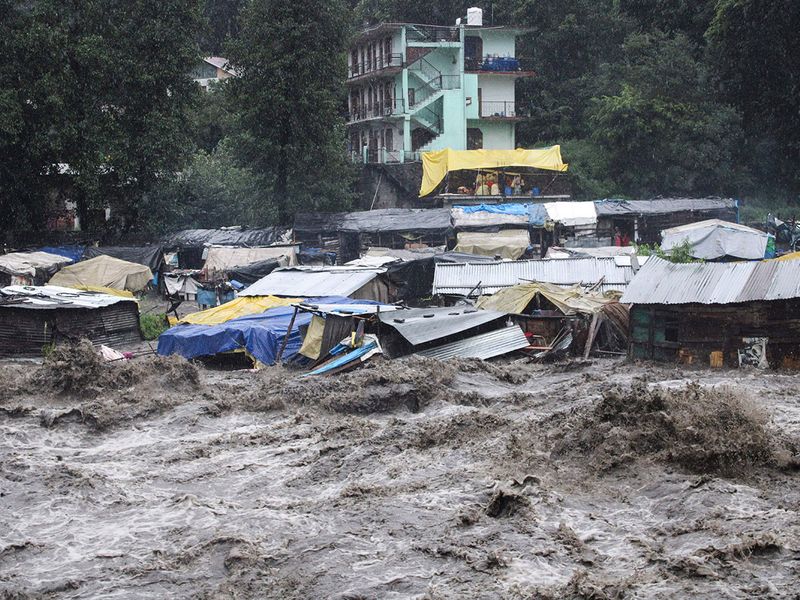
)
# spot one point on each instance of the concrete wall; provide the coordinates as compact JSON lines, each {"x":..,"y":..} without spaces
{"x":497,"y":135}
{"x":496,"y":42}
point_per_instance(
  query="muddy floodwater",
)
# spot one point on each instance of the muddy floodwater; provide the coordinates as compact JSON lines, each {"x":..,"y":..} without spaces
{"x":405,"y":479}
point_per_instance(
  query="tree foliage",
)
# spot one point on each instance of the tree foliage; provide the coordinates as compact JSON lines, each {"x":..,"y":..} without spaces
{"x":97,"y":93}
{"x":290,"y":57}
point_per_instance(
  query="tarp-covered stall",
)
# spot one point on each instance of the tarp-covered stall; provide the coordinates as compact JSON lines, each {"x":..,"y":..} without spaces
{"x":34,"y":317}
{"x":713,"y":239}
{"x":436,"y":165}
{"x":104,"y":271}
{"x":482,"y":216}
{"x":221,"y":259}
{"x":30,"y":267}
{"x":190,"y":244}
{"x":259,"y":335}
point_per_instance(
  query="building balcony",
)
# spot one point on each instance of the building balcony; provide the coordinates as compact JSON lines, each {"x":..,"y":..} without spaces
{"x":383,"y":156}
{"x":382,"y":110}
{"x":499,"y":65}
{"x":383,"y":66}
{"x":432,"y":34}
{"x":500,"y":110}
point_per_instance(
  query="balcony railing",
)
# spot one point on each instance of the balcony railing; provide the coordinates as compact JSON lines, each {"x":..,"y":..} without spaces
{"x":499,"y":109}
{"x":432,"y":33}
{"x":387,"y":108}
{"x":362,"y":68}
{"x":383,"y":156}
{"x":497,"y":64}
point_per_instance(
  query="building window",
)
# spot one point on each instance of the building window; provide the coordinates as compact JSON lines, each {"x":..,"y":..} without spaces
{"x":388,"y":138}
{"x":474,"y":139}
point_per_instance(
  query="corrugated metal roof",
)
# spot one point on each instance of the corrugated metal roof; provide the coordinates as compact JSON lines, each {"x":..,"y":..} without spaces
{"x":53,"y":296}
{"x":663,"y":282}
{"x":309,"y":283}
{"x":421,"y":325}
{"x":611,"y":207}
{"x":483,"y":346}
{"x":459,"y":279}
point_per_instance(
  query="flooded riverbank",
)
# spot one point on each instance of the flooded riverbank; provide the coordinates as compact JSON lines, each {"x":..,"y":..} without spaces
{"x":406,"y":479}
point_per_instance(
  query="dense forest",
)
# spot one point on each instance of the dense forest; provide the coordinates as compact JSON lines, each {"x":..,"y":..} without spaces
{"x":647,"y":98}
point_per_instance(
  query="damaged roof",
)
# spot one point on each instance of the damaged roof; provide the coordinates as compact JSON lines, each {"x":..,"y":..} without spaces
{"x":421,"y":325}
{"x":662,"y":282}
{"x":489,"y":277}
{"x":50,"y":297}
{"x":485,"y":345}
{"x":307,"y":282}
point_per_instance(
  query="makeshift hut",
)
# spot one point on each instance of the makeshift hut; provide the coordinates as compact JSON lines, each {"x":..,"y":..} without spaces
{"x":741,"y":313}
{"x":643,"y":220}
{"x":508,"y":243}
{"x":390,"y":227}
{"x":190,"y":244}
{"x":477,"y":279}
{"x":714,"y":239}
{"x":547,"y":312}
{"x":104,"y":272}
{"x":220,"y":260}
{"x":30,"y":268}
{"x":34,"y":317}
{"x":310,"y":282}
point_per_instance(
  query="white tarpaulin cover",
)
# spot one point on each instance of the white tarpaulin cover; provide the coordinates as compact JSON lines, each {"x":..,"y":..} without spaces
{"x":222,"y":258}
{"x":571,"y":213}
{"x":714,"y":239}
{"x":26,"y":263}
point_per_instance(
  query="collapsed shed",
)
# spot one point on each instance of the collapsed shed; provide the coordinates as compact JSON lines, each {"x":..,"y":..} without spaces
{"x":30,"y":268}
{"x":448,"y":332}
{"x":34,"y":317}
{"x":477,"y":279}
{"x":742,"y":313}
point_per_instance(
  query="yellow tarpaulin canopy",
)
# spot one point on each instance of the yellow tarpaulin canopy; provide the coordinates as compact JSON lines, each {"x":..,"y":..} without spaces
{"x":569,"y":301}
{"x":790,"y":256}
{"x":435,"y":165}
{"x":239,"y":307}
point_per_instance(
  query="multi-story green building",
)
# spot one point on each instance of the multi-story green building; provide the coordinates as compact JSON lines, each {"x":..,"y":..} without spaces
{"x":414,"y":88}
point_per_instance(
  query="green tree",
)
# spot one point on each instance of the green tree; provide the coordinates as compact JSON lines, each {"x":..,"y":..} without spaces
{"x":662,"y":132}
{"x":755,"y":50}
{"x":100,"y":87}
{"x":289,"y":100}
{"x":221,"y":23}
{"x":212,"y":191}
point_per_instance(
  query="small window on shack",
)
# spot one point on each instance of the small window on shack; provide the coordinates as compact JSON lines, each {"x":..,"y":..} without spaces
{"x":671,"y":329}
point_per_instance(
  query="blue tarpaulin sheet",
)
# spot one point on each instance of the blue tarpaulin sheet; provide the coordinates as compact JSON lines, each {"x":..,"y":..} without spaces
{"x":536,"y":212}
{"x":73,"y":253}
{"x":261,"y":335}
{"x":343,"y":360}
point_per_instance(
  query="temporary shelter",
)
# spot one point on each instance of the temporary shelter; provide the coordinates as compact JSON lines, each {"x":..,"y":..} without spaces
{"x":436,"y":165}
{"x":104,"y":271}
{"x":713,"y":239}
{"x":28,"y":268}
{"x":223,"y":258}
{"x":34,"y":317}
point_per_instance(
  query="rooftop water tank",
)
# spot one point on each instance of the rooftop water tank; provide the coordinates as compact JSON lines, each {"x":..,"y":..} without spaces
{"x":474,"y":17}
